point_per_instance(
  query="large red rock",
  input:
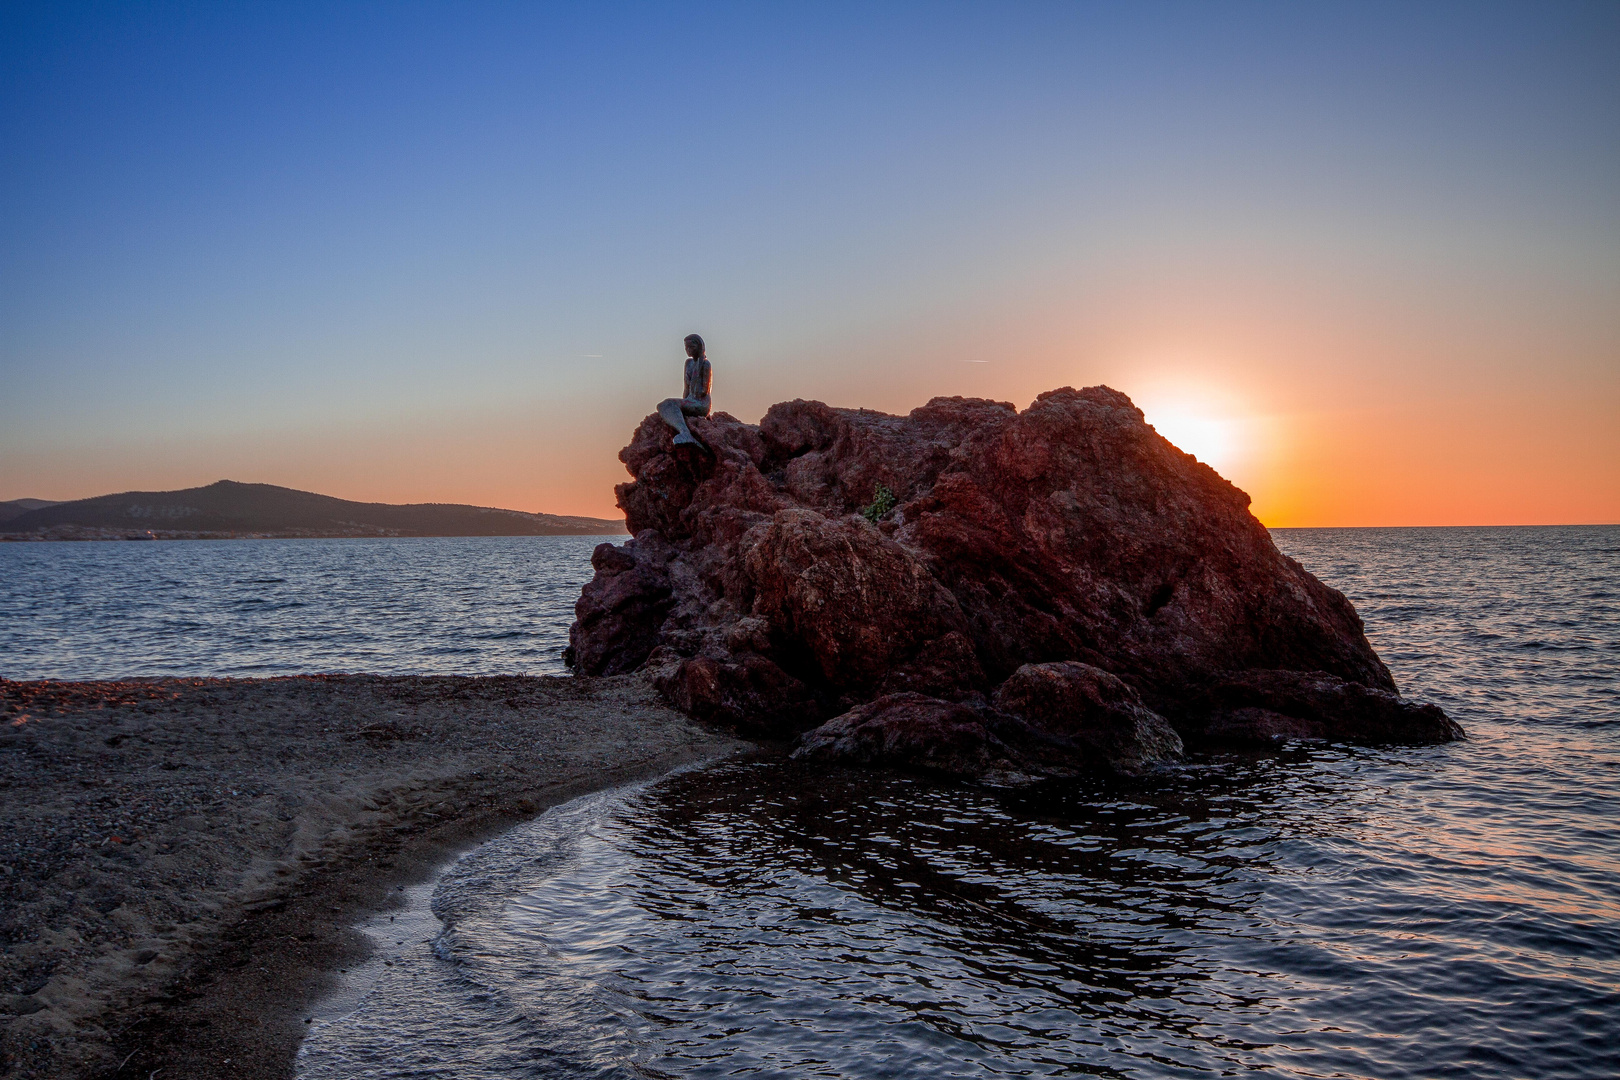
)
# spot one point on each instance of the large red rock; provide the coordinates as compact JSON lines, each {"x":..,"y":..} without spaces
{"x":762,"y":598}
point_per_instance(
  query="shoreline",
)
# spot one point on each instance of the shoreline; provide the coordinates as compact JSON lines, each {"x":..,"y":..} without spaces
{"x":190,"y":860}
{"x":79,"y":535}
{"x":405,"y":933}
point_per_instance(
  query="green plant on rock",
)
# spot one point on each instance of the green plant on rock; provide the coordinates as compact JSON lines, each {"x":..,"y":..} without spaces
{"x":883,"y":501}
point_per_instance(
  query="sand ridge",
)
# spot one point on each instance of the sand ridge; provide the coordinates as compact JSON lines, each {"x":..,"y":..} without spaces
{"x":183,"y":859}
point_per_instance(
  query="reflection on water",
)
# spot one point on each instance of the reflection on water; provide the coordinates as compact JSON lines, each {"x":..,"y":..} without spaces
{"x":1320,"y":912}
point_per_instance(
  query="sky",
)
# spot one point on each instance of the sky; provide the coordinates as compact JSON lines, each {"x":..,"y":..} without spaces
{"x":1362,"y":258}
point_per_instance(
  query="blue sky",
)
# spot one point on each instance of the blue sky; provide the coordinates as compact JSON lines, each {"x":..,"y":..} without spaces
{"x":448,"y":251}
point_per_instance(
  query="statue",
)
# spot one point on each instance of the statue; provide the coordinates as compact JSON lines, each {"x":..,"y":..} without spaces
{"x":694,"y":400}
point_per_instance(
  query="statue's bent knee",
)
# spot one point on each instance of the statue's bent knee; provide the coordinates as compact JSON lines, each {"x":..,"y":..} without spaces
{"x":674,"y":411}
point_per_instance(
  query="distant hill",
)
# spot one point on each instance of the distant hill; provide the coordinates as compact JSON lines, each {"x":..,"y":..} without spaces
{"x":18,"y":507}
{"x":227,"y":509}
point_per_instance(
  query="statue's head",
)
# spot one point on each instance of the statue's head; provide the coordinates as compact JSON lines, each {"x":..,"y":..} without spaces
{"x":694,"y":346}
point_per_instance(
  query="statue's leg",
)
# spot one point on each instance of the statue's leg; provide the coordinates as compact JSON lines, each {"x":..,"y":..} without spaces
{"x":672,"y":414}
{"x":692,"y":408}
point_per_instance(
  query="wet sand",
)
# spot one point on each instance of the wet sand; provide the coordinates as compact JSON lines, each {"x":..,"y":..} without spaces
{"x":184,"y":860}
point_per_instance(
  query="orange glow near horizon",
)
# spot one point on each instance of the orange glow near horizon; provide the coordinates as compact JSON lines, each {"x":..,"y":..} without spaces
{"x":1325,"y":418}
{"x":1343,"y":397}
{"x":1488,"y":461}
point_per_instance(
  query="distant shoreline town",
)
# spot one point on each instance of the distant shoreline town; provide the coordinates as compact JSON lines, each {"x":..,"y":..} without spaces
{"x":227,"y":510}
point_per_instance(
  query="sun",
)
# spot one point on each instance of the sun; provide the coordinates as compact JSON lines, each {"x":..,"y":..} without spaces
{"x":1206,"y":428}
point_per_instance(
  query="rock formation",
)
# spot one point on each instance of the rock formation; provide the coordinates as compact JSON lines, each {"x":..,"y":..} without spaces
{"x":1046,"y":591}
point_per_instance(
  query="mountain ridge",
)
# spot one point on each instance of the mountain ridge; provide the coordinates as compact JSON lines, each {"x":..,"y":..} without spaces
{"x":12,"y":508}
{"x":228,"y":508}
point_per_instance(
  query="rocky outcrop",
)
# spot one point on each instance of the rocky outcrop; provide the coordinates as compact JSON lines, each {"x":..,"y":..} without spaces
{"x":1267,"y":706}
{"x":1055,"y":589}
{"x":911,"y":731}
{"x":1060,"y":719}
{"x":1080,"y":717}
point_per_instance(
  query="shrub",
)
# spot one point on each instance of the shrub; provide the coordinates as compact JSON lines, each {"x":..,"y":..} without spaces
{"x":883,"y":501}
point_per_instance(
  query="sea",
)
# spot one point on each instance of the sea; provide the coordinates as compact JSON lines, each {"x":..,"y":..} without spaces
{"x":1313,"y":911}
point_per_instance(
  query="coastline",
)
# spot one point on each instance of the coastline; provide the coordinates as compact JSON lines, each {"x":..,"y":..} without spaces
{"x":82,"y":533}
{"x":188,"y":860}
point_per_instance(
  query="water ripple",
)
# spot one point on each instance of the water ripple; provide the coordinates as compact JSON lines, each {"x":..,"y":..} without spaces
{"x":436,"y":605}
{"x":1443,"y":911}
{"x":1321,"y":911}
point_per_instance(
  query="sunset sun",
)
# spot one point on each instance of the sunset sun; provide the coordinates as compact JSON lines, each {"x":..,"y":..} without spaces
{"x":1219,"y":441}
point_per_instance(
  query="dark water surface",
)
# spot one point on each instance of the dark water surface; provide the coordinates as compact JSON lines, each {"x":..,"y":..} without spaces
{"x":1318,"y":912}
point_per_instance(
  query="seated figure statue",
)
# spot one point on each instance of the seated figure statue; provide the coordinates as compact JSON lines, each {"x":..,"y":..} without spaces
{"x":694,"y":400}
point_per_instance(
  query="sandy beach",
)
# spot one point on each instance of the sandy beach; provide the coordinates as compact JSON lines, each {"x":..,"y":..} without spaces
{"x":184,"y":859}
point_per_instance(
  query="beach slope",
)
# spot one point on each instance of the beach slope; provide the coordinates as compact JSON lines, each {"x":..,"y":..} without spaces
{"x":184,"y":859}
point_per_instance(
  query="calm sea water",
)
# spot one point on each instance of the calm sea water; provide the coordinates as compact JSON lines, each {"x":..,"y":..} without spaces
{"x":1316,"y":912}
{"x":430,"y":605}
